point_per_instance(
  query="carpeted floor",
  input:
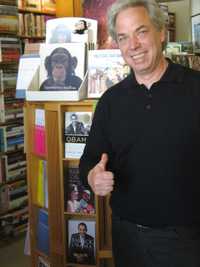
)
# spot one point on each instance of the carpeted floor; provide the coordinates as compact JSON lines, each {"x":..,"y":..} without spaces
{"x":12,"y":253}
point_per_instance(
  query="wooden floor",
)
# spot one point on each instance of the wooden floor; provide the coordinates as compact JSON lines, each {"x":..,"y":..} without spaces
{"x":12,"y":253}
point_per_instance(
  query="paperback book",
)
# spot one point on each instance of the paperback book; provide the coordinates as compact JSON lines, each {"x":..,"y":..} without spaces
{"x":62,"y":66}
{"x":100,"y":7}
{"x":77,"y":197}
{"x":81,"y":242}
{"x":71,"y":29}
{"x":39,"y":133}
{"x":8,"y":19}
{"x":106,"y":67}
{"x":48,"y":6}
{"x":42,"y":184}
{"x":77,"y":126}
{"x":42,"y":262}
{"x":43,"y":231}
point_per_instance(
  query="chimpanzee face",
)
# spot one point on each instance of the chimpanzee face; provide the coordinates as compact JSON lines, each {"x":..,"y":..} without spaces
{"x":59,"y":66}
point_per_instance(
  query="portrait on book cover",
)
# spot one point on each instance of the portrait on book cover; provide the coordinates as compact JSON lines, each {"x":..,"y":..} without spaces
{"x":60,"y":68}
{"x":76,"y":129}
{"x":77,"y":123}
{"x":78,"y":198}
{"x":81,"y":242}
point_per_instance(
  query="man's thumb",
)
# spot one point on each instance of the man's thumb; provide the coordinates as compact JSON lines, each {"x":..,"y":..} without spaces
{"x":103,"y":161}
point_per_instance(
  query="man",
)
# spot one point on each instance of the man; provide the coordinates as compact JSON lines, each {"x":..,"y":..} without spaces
{"x":75,"y":127}
{"x":82,"y":246}
{"x":144,"y":146}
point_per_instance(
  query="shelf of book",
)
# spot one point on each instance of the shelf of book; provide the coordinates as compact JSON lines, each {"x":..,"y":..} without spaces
{"x":56,"y":191}
{"x":13,"y":186}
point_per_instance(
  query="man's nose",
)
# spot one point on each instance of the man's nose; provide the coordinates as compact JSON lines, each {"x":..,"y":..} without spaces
{"x":134,"y":42}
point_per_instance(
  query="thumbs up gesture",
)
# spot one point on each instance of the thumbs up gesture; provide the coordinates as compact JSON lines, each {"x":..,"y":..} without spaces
{"x":100,"y":180}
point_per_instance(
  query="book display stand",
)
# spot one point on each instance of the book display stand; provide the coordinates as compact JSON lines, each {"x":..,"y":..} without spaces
{"x":55,"y":187}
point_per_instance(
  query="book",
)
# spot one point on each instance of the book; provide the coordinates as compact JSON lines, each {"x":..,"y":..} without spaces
{"x":81,"y":242}
{"x":39,"y":133}
{"x":8,"y":19}
{"x":28,"y":66}
{"x":9,"y":2}
{"x":77,"y":197}
{"x":4,"y":198}
{"x":71,"y":29}
{"x":62,"y":66}
{"x":42,"y":184}
{"x":48,"y":6}
{"x":32,"y":5}
{"x":10,"y":49}
{"x":106,"y":67}
{"x":77,"y":126}
{"x":173,"y":48}
{"x":42,"y":262}
{"x":43,"y":232}
{"x":11,"y":140}
{"x":104,"y":40}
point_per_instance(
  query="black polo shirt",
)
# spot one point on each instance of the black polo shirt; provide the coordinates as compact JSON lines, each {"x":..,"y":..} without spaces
{"x":152,"y":137}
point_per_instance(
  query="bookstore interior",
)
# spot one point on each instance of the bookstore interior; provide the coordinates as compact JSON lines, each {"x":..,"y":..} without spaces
{"x":46,"y":114}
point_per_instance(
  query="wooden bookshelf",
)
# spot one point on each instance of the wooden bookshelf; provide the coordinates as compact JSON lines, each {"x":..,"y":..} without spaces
{"x":57,"y":214}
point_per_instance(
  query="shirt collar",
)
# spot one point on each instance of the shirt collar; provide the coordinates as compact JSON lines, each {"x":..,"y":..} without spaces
{"x":173,"y":73}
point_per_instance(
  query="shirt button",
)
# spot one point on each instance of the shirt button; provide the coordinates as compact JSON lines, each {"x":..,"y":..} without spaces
{"x":148,"y":106}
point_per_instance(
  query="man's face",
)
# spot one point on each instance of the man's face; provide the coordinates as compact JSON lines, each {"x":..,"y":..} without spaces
{"x":138,"y":39}
{"x":82,"y":230}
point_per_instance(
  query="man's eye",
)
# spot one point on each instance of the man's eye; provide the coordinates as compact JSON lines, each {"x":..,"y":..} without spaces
{"x":142,"y":33}
{"x":122,"y":38}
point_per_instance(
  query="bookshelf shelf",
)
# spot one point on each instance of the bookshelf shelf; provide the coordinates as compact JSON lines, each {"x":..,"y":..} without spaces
{"x":39,"y":12}
{"x":13,"y":186}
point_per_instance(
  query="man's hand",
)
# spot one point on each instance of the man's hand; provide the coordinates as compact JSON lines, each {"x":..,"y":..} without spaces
{"x":100,"y":180}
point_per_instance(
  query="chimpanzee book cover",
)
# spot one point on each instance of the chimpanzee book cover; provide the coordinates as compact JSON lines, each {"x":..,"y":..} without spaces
{"x":77,"y":127}
{"x":62,"y":66}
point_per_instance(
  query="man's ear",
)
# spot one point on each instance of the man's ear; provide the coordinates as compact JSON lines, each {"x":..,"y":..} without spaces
{"x":163,"y":35}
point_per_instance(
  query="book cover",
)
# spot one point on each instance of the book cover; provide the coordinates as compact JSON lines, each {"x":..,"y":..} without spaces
{"x":10,"y":49}
{"x":77,"y":197}
{"x":39,"y":133}
{"x":71,"y":29}
{"x":32,"y":5}
{"x":8,"y":19}
{"x":48,"y":6}
{"x":81,"y":242}
{"x":43,"y":232}
{"x":77,"y":126}
{"x":28,"y":65}
{"x":42,"y":262}
{"x":106,"y":67}
{"x":42,"y":184}
{"x":4,"y":198}
{"x":100,"y":7}
{"x":62,"y":66}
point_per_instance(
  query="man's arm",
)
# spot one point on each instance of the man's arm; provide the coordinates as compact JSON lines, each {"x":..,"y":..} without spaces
{"x":96,"y":153}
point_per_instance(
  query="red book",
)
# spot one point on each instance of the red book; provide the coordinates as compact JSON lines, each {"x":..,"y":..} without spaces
{"x":39,"y":133}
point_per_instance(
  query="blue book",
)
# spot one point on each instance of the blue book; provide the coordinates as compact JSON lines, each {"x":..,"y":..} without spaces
{"x":43,"y":232}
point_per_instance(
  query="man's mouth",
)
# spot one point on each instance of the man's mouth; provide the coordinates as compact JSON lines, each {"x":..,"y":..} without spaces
{"x":138,"y":56}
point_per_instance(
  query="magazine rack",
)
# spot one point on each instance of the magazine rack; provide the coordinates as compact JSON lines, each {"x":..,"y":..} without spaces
{"x":51,"y":220}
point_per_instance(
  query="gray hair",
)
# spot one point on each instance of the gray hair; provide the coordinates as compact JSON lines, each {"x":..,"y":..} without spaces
{"x":156,"y":15}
